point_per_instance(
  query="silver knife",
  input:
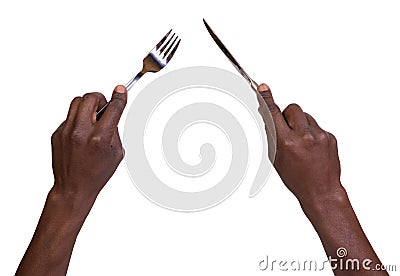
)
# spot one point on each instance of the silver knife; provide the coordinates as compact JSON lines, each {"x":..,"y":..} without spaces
{"x":236,"y":64}
{"x":264,"y":111}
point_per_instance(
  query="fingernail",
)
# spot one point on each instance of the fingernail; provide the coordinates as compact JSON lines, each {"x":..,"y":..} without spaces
{"x":263,"y":87}
{"x":120,"y":89}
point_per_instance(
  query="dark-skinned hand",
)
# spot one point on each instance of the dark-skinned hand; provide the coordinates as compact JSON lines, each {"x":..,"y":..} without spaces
{"x":308,"y":163}
{"x":306,"y":155}
{"x":86,"y":152}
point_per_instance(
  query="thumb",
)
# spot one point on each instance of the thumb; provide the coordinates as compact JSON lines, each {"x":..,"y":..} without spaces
{"x":268,"y":105}
{"x":115,"y":108}
{"x":266,"y":94}
{"x":120,"y":94}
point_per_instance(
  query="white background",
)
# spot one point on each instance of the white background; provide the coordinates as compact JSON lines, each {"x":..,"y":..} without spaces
{"x":339,"y":60}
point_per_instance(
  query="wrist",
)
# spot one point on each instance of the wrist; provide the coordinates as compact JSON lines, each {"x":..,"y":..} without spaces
{"x":73,"y":206}
{"x":321,"y":205}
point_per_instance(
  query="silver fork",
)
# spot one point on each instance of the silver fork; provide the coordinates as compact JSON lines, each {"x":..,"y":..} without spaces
{"x":156,"y":60}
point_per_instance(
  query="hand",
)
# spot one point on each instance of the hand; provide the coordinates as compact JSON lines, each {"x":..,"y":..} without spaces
{"x":306,"y":156}
{"x":307,"y":161}
{"x":86,"y":152}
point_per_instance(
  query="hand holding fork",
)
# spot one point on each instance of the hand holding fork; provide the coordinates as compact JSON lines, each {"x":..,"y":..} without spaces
{"x":156,"y":60}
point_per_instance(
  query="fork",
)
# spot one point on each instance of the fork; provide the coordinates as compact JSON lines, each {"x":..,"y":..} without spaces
{"x":156,"y":60}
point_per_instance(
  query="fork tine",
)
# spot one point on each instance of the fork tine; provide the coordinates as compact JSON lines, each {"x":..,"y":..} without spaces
{"x":170,"y":47}
{"x":162,"y":40}
{"x":173,"y":51}
{"x":166,"y":44}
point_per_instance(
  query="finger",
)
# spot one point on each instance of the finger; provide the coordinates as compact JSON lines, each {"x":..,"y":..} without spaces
{"x":90,"y":103}
{"x":332,"y":139}
{"x":60,"y":127}
{"x":109,"y":121}
{"x":295,"y":117}
{"x":273,"y":109}
{"x":311,"y":121}
{"x":117,"y":147}
{"x":73,"y":110}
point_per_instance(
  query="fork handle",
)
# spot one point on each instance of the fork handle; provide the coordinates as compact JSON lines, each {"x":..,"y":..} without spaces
{"x":128,"y":87}
{"x":134,"y":80}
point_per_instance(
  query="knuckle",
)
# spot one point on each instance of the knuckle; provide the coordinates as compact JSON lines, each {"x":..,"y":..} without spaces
{"x":322,"y":137}
{"x":269,"y":100}
{"x":273,"y":108}
{"x":89,"y":95}
{"x":96,"y":140}
{"x":308,"y":137}
{"x":93,"y":95}
{"x":76,"y":99}
{"x":76,"y":137}
{"x":287,"y":143}
{"x":292,"y":107}
{"x":332,"y":138}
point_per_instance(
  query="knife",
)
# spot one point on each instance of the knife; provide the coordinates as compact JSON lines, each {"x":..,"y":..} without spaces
{"x":236,"y":64}
{"x":264,"y":111}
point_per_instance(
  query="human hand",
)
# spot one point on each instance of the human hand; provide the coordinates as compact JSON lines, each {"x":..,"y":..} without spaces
{"x":307,"y":161}
{"x":306,"y":155}
{"x":86,"y":152}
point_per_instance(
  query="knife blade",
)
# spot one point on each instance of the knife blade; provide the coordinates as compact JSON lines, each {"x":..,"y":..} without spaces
{"x":264,"y":111}
{"x":228,"y":54}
